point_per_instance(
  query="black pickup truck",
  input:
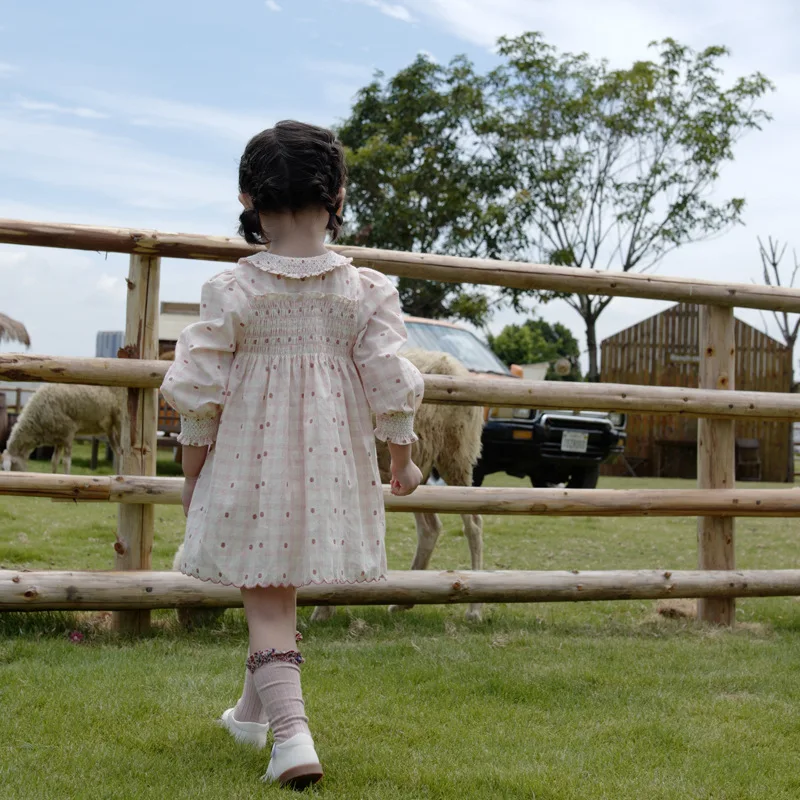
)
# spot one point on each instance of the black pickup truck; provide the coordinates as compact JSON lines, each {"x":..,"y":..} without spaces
{"x":548,"y":447}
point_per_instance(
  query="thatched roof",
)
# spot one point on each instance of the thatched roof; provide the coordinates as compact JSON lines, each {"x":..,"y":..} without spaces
{"x":13,"y":331}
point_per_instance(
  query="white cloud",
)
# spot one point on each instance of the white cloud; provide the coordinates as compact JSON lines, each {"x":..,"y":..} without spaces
{"x":272,"y":5}
{"x":155,"y":112}
{"x":619,"y":29}
{"x":7,"y":69}
{"x":393,"y":10}
{"x":114,"y":168}
{"x":55,"y":108}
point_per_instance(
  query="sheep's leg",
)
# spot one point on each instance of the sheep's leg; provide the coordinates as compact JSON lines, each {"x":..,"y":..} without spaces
{"x":68,"y":458}
{"x":429,"y":527}
{"x":473,"y":530}
{"x":56,"y":459}
{"x":457,"y":470}
{"x":323,"y":613}
{"x":114,"y":442}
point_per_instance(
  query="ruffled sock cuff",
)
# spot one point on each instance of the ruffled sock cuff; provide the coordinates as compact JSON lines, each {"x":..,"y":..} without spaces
{"x":263,"y":657}
{"x":198,"y":432}
{"x":397,"y":428}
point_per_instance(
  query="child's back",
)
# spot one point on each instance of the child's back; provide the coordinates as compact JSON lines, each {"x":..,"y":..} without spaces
{"x":300,"y":351}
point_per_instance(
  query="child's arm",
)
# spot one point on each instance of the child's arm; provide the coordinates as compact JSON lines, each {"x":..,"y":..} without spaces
{"x":392,"y":384}
{"x":196,"y":382}
{"x":192,"y":460}
{"x":406,"y":475}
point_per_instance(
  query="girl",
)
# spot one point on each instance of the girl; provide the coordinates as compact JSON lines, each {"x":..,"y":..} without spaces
{"x":276,"y":385}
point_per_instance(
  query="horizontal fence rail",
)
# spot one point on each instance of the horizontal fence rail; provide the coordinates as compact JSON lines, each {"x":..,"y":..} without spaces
{"x":499,"y":392}
{"x":716,"y":504}
{"x":99,"y":591}
{"x":448,"y":499}
{"x":450,"y":269}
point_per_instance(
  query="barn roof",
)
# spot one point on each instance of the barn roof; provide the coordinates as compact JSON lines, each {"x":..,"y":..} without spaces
{"x":688,"y":309}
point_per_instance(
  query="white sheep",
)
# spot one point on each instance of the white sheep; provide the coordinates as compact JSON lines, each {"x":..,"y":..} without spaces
{"x":58,"y":412}
{"x":450,"y":441}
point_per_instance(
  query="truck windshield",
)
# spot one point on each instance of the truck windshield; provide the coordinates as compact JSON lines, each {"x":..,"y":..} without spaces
{"x":465,"y":346}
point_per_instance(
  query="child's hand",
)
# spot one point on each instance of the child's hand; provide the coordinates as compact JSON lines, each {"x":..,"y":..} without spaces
{"x":405,"y":479}
{"x":186,"y":493}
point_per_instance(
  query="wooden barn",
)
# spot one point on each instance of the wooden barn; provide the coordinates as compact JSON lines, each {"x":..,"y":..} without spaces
{"x":663,"y":351}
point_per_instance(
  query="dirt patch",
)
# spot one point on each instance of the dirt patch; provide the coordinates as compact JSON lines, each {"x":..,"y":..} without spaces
{"x":677,"y":609}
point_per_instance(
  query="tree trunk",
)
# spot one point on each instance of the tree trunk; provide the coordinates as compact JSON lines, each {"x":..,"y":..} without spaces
{"x":790,"y":458}
{"x":593,"y":374}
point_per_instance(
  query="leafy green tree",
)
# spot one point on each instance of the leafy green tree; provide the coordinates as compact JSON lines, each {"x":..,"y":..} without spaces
{"x":535,"y":342}
{"x":422,"y":179}
{"x":550,"y":157}
{"x":615,"y":168}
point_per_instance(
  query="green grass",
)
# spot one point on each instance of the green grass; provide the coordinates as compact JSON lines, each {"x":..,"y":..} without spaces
{"x":545,"y":702}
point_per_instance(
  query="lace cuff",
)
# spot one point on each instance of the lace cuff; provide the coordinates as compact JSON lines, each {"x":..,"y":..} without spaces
{"x":397,"y":428}
{"x":198,"y":432}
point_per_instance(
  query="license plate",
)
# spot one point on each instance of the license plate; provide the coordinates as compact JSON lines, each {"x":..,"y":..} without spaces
{"x":574,"y":442}
{"x":522,"y":435}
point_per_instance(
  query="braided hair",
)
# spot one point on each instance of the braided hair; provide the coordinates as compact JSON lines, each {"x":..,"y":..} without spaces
{"x":291,"y":167}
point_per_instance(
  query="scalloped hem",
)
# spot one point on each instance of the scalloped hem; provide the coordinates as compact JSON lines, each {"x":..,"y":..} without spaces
{"x":282,"y":584}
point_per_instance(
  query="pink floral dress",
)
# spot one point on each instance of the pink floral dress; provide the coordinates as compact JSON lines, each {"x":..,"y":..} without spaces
{"x":281,"y":376}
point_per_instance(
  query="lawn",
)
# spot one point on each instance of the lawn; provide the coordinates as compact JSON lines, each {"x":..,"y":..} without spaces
{"x":552,"y":701}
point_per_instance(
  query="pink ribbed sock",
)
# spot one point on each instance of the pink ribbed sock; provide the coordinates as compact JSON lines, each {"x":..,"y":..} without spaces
{"x":249,"y":707}
{"x":276,"y":676}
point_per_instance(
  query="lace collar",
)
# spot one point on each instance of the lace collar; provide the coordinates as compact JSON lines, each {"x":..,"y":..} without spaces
{"x":297,"y":267}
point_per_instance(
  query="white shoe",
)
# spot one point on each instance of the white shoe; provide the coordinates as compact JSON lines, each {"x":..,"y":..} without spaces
{"x":254,"y":733}
{"x":294,"y":763}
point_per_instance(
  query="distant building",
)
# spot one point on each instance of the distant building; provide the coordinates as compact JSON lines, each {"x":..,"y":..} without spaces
{"x":174,"y":317}
{"x":663,"y":350}
{"x":108,"y":343}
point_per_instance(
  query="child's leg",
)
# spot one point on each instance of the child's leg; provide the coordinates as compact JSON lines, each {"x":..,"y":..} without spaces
{"x":271,"y":615}
{"x":249,"y":708}
{"x":274,"y":662}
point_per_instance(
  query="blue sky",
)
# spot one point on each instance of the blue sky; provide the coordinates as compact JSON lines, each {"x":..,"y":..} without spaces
{"x":135,"y":114}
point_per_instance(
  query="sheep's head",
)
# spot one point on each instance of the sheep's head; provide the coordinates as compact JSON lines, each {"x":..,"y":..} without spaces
{"x":12,"y":463}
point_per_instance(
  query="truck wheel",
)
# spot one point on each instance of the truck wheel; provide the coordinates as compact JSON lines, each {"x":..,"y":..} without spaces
{"x":584,"y":478}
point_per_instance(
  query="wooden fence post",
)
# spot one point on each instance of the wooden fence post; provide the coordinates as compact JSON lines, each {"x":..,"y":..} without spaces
{"x":134,"y":543}
{"x":716,"y":455}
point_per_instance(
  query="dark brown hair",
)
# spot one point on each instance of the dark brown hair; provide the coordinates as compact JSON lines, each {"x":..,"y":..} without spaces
{"x":291,"y":167}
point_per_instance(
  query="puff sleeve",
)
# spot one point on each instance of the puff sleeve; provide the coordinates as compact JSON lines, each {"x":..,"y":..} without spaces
{"x":392,"y":384}
{"x":196,"y":382}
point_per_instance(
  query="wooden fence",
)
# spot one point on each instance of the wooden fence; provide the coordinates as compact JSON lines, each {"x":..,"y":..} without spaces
{"x":134,"y":587}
